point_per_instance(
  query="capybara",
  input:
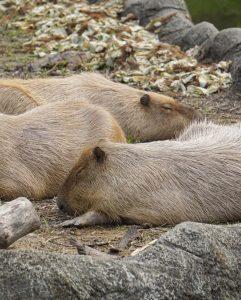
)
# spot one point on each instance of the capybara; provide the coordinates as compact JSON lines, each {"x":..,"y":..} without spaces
{"x":158,"y":183}
{"x":14,"y":99}
{"x":200,"y":129}
{"x":40,"y":147}
{"x":144,"y":116}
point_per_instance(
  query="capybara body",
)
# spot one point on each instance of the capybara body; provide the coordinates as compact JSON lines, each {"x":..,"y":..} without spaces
{"x":160,"y":182}
{"x":14,"y":99}
{"x":40,"y":147}
{"x":144,"y":116}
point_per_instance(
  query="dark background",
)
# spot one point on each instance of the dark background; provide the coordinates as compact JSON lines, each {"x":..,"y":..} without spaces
{"x":222,"y":13}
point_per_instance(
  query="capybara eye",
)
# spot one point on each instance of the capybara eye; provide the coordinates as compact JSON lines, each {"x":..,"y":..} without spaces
{"x":167,"y":106}
{"x":99,"y":154}
{"x":145,"y":100}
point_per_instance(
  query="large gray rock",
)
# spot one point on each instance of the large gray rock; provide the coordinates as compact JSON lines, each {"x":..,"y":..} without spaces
{"x":147,"y":10}
{"x":174,"y":28}
{"x":226,"y":45}
{"x":192,"y":261}
{"x":173,"y":14}
{"x":203,"y":32}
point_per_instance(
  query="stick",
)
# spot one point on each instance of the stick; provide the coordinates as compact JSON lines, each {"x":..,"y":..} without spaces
{"x":138,"y":250}
{"x":86,"y":250}
{"x":17,"y":219}
{"x":131,"y":234}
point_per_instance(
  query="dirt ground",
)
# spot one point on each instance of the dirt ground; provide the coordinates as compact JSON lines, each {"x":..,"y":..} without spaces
{"x":223,"y":107}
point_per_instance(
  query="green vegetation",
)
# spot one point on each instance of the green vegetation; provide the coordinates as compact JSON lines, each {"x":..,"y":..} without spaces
{"x":222,"y":13}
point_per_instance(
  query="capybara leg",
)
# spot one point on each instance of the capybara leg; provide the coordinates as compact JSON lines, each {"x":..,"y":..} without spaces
{"x":90,"y":218}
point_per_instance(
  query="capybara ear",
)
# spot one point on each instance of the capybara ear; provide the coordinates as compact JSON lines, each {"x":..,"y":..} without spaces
{"x":99,"y":154}
{"x":145,"y":100}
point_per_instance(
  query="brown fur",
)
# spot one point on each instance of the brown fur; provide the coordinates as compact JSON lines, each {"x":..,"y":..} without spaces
{"x":39,"y":147}
{"x":158,"y":118}
{"x":194,"y":178}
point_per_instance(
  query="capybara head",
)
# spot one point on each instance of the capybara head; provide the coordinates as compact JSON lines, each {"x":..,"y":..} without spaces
{"x":164,"y":117}
{"x":79,"y":194}
{"x":143,"y":115}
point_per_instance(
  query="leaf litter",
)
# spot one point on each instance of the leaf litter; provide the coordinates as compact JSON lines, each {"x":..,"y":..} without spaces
{"x":127,"y":51}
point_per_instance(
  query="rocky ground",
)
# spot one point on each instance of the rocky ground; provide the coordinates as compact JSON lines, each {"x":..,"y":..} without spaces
{"x":52,"y":39}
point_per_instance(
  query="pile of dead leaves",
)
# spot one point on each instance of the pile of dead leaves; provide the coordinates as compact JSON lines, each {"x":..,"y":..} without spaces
{"x":119,"y":46}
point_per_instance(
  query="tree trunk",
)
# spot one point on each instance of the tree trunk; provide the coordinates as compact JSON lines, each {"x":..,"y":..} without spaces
{"x":17,"y":218}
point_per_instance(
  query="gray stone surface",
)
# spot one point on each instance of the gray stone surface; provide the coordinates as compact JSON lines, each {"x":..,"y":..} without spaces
{"x":200,"y":33}
{"x":173,"y":14}
{"x":226,"y":45}
{"x":174,"y":29}
{"x":147,"y":10}
{"x":192,"y":261}
{"x":236,"y":73}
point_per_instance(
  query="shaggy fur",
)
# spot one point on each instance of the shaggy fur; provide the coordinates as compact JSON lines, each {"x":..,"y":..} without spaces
{"x":39,"y":147}
{"x":195,"y":179}
{"x":158,"y":117}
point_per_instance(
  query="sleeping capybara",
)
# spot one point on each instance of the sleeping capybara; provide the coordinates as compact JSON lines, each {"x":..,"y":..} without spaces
{"x":144,"y":116}
{"x":158,"y":183}
{"x":40,"y":147}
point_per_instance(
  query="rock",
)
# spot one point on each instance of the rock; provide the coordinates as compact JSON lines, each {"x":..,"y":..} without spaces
{"x":93,"y":1}
{"x":198,"y":34}
{"x":236,"y":73}
{"x":147,"y":10}
{"x":226,"y":45}
{"x":133,"y":7}
{"x":172,"y":15}
{"x":173,"y":28}
{"x":72,"y":60}
{"x":192,"y":261}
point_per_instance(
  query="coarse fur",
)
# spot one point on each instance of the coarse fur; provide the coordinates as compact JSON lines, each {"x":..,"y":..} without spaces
{"x":160,"y":182}
{"x":15,"y":100}
{"x":144,"y":116}
{"x":40,"y":147}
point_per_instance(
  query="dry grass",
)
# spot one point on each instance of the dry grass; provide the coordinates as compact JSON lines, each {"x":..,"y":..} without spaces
{"x":56,"y":239}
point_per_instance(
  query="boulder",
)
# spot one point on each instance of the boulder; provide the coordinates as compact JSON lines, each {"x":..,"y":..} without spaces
{"x":146,"y":10}
{"x":203,"y":32}
{"x":173,"y":28}
{"x":172,"y":15}
{"x":226,"y":45}
{"x":192,"y":261}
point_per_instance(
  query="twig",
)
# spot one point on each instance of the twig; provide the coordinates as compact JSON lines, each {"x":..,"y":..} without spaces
{"x":138,"y":250}
{"x":131,"y":234}
{"x":86,"y":250}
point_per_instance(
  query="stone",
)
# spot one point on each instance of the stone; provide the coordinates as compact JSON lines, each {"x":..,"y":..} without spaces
{"x":226,"y":45}
{"x":198,"y":34}
{"x":147,"y":10}
{"x":173,"y":16}
{"x":174,"y":28}
{"x":236,"y":73}
{"x":191,"y":261}
{"x":72,"y":59}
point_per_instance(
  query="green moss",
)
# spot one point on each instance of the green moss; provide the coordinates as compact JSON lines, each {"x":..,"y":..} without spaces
{"x":222,"y":13}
